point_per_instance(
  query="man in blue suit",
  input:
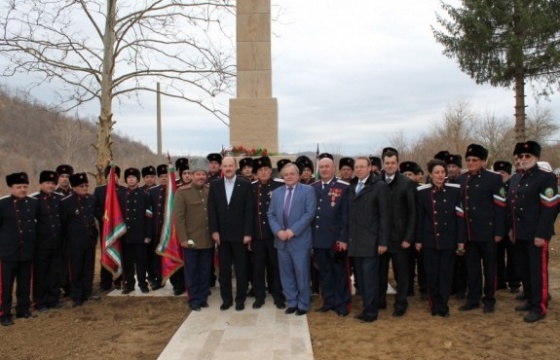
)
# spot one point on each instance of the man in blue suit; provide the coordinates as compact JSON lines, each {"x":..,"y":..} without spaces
{"x":290,"y":214}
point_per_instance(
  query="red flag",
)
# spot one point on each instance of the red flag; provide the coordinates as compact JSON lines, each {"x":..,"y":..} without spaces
{"x":113,"y":228}
{"x":169,"y":247}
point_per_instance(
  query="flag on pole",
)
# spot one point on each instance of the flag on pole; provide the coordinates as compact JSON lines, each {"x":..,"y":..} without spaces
{"x":169,"y":247}
{"x":113,"y":228}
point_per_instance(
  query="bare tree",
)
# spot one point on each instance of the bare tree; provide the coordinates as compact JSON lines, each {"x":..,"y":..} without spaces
{"x":540,"y":125}
{"x":104,"y":50}
{"x":456,"y":130}
{"x":495,"y":135}
{"x":70,"y":137}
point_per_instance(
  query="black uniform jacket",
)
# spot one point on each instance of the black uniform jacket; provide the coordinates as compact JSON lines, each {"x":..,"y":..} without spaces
{"x":532,"y":204}
{"x":331,"y":217}
{"x":78,"y":221}
{"x":158,"y":198}
{"x":18,"y":223}
{"x":49,"y":226}
{"x":262,"y":193}
{"x":136,"y":207}
{"x":441,"y":222}
{"x":484,"y":203}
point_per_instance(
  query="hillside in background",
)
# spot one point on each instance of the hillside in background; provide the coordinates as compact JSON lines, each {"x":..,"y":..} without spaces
{"x":34,"y":138}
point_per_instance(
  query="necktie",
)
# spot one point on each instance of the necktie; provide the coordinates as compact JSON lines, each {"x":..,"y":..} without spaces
{"x":389,"y":179}
{"x":287,"y":206}
{"x":359,"y":187}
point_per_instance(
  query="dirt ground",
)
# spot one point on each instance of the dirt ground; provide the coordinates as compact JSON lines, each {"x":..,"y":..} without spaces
{"x":139,"y":328}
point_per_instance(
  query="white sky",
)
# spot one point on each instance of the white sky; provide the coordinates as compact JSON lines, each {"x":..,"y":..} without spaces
{"x":347,"y":75}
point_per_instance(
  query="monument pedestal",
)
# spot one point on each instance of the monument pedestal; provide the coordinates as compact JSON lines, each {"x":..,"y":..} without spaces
{"x":254,"y":113}
{"x":254,"y":123}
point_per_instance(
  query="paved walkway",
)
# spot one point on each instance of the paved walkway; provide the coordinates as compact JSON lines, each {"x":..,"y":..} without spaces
{"x":266,"y":333}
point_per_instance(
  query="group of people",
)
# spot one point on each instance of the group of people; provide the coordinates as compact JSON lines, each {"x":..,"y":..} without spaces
{"x":283,"y":234}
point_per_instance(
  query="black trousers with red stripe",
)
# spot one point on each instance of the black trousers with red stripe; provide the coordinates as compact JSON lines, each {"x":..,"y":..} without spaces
{"x":533,"y":268}
{"x":11,"y":271}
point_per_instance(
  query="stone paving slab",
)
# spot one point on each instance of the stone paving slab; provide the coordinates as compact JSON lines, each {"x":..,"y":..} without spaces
{"x":263,"y":334}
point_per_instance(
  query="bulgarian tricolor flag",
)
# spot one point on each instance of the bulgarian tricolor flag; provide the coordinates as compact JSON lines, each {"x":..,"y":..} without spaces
{"x":113,"y":228}
{"x":169,"y":247}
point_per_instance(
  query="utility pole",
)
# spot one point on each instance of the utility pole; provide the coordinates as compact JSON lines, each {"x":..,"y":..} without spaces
{"x":159,"y":142}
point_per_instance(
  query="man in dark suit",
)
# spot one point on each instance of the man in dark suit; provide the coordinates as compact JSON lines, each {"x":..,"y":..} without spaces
{"x":290,"y":214}
{"x":368,"y":232}
{"x":230,"y":218}
{"x":402,"y":207}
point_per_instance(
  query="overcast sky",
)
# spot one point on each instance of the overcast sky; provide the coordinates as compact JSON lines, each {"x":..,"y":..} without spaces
{"x":347,"y":75}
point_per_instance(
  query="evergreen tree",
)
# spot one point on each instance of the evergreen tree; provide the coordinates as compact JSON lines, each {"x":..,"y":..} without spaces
{"x":505,"y":43}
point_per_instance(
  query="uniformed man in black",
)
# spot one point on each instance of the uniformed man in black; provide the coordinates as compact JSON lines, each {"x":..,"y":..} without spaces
{"x":64,"y":189}
{"x":64,"y":172}
{"x":279,"y":165}
{"x":99,"y":194}
{"x":158,"y":195}
{"x":214,"y":173}
{"x":484,"y":206}
{"x":263,"y":250}
{"x":305,"y":166}
{"x":214,"y":164}
{"x":183,"y":172}
{"x":532,"y":209}
{"x":18,"y":217}
{"x":346,"y":169}
{"x":149,"y":177}
{"x":137,"y":212}
{"x":506,"y":269}
{"x":78,"y":227}
{"x":375,"y":165}
{"x":330,"y":236}
{"x":408,"y":169}
{"x":48,"y":250}
{"x":246,"y":169}
{"x":454,"y":164}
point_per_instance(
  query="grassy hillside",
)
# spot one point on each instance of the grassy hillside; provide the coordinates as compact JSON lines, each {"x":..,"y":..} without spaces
{"x":34,"y":138}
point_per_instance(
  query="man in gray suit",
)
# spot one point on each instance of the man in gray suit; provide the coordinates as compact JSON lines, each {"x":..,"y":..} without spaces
{"x":290,"y":214}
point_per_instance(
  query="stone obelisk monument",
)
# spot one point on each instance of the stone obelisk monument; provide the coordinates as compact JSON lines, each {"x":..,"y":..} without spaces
{"x":254,"y":113}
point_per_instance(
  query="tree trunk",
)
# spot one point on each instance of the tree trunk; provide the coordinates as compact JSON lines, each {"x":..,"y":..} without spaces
{"x":519,"y":108}
{"x":105,"y":125}
{"x":518,"y":57}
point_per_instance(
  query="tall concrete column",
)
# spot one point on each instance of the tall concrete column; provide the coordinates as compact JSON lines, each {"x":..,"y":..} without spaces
{"x":254,"y":113}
